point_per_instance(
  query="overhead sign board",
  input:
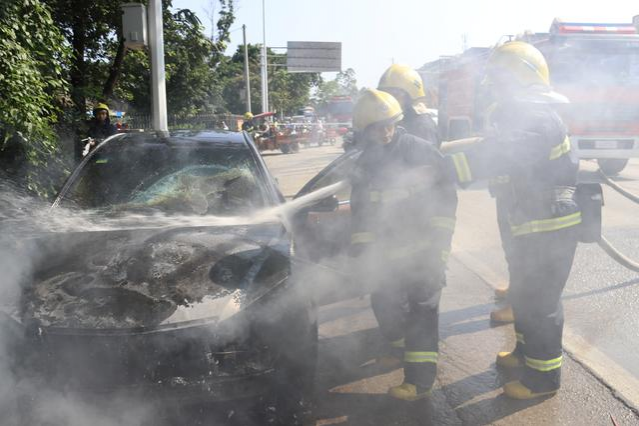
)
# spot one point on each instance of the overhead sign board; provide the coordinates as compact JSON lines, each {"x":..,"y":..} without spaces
{"x":313,"y":56}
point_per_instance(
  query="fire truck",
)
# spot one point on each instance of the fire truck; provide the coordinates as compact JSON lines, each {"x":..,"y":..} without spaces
{"x":595,"y":65}
{"x":340,"y":110}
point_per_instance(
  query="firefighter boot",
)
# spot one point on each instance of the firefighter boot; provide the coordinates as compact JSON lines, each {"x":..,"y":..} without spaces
{"x":501,"y":293}
{"x":503,"y":315}
{"x":393,"y":358}
{"x":517,"y":390}
{"x":509,"y":360}
{"x":408,"y":392}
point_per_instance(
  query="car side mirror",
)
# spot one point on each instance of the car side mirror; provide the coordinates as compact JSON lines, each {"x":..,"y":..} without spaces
{"x":328,"y":204}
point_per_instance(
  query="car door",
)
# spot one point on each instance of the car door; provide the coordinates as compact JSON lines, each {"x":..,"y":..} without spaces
{"x":322,"y":235}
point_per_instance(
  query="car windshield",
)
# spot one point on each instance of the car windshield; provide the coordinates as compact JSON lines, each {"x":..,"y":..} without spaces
{"x":185,"y":178}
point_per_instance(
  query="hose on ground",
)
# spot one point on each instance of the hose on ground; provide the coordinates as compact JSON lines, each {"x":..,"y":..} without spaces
{"x":629,"y":195}
{"x":619,"y":257}
{"x":615,"y":254}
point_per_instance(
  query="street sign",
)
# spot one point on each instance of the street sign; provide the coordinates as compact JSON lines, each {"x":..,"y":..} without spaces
{"x":313,"y":56}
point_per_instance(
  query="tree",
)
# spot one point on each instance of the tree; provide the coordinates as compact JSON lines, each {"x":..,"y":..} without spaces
{"x":102,"y":69}
{"x":344,"y":84}
{"x":288,"y":92}
{"x":32,"y":83}
{"x":347,"y":82}
{"x":191,"y":61}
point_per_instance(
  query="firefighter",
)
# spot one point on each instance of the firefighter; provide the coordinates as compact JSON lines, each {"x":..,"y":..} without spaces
{"x":100,"y":126}
{"x":248,"y":125}
{"x":405,"y":84}
{"x":529,"y":145}
{"x":403,"y":214}
{"x":499,"y":187}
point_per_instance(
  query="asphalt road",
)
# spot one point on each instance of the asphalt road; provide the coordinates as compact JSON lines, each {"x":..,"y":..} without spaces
{"x":601,"y":297}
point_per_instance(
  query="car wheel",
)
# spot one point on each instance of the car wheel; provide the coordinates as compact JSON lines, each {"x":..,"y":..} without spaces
{"x":285,"y":148}
{"x":612,"y":166}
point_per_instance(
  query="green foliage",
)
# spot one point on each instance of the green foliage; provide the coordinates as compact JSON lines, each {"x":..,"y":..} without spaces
{"x":344,"y":84}
{"x":93,"y":29}
{"x":188,"y":63}
{"x":288,"y":93}
{"x":32,"y":80}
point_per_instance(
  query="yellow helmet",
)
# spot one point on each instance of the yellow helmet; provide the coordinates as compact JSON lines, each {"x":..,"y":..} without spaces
{"x":404,"y":78}
{"x":519,"y":64}
{"x":248,"y":116}
{"x":101,"y":107}
{"x":375,"y":106}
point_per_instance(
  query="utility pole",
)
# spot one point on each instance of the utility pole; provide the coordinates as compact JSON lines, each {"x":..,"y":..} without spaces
{"x":247,"y":78}
{"x":158,"y":79}
{"x":264,"y":62}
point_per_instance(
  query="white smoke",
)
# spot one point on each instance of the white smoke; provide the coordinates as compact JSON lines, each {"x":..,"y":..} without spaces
{"x":22,"y":220}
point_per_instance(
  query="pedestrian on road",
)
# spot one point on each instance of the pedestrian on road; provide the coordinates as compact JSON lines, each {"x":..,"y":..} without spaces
{"x":529,"y":145}
{"x":401,"y":231}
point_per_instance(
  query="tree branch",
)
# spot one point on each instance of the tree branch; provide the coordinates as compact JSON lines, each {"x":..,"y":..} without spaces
{"x":114,"y":71}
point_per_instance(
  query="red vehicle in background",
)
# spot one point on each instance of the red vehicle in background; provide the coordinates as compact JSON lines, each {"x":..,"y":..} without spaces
{"x":339,"y":117}
{"x":596,"y":65}
{"x":339,"y":110}
{"x":269,"y":136}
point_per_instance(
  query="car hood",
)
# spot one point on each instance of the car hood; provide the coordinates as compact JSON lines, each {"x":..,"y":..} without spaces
{"x":144,"y":279}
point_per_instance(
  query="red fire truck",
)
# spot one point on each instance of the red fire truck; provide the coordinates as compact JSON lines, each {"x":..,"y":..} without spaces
{"x":595,"y":65}
{"x":339,"y":110}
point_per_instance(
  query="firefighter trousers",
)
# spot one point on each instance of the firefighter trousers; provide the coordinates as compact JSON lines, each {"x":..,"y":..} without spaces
{"x":411,"y":312}
{"x":504,"y":231}
{"x":541,"y":264}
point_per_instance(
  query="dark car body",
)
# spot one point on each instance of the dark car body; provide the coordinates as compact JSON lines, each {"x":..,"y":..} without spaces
{"x":179,"y":314}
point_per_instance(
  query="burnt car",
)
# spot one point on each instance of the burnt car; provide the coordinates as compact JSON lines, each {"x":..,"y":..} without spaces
{"x":199,"y":310}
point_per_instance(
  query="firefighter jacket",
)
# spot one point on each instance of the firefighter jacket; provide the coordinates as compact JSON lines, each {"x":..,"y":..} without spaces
{"x":248,"y":126}
{"x":421,"y":125}
{"x":400,"y":217}
{"x":102,"y":130}
{"x":528,"y":154}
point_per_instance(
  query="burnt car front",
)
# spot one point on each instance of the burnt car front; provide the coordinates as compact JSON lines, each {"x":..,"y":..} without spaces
{"x":177,"y":290}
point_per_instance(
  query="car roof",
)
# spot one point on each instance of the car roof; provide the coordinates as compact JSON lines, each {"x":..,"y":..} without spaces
{"x":186,"y":137}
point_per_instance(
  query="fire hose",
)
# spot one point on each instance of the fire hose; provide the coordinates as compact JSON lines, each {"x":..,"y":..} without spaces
{"x":603,"y":242}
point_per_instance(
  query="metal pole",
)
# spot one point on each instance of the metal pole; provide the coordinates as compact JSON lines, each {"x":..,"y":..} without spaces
{"x":247,"y":78}
{"x":158,"y":79}
{"x":264,"y":62}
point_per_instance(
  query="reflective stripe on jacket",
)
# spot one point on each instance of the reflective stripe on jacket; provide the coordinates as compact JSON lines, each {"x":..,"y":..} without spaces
{"x":528,"y":161}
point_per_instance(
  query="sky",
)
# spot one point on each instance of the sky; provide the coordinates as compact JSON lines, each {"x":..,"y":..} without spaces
{"x":376,"y":33}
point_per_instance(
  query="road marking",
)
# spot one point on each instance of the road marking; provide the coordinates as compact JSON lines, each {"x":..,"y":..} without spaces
{"x":620,"y":380}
